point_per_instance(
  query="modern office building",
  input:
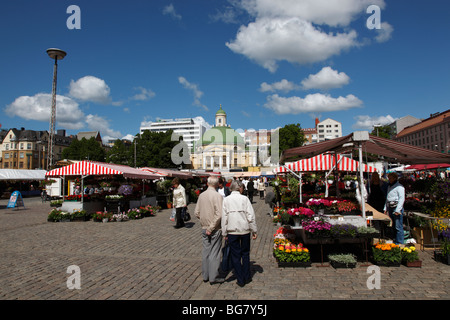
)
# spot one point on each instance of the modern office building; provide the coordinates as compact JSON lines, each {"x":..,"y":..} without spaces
{"x":191,"y":129}
{"x":328,"y":129}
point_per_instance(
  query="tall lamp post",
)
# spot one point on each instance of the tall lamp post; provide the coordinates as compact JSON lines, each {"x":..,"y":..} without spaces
{"x":55,"y":54}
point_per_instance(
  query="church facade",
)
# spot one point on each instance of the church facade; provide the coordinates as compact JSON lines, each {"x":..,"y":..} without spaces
{"x":222,"y":148}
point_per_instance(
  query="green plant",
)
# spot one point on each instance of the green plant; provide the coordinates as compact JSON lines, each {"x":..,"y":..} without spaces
{"x":343,"y":231}
{"x":290,"y":252}
{"x":409,"y":254}
{"x":100,"y":215}
{"x":366,"y":230}
{"x":387,"y":253}
{"x":343,"y":258}
{"x":78,"y":213}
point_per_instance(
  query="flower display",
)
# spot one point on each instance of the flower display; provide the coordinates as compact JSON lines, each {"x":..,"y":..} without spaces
{"x":100,"y":215}
{"x":285,"y":250}
{"x":409,"y":254}
{"x":301,"y":212}
{"x":125,"y":189}
{"x":134,"y":213}
{"x":318,"y":203}
{"x":147,"y":211}
{"x":119,"y":217}
{"x":387,"y":253}
{"x":114,"y":197}
{"x":346,"y":206}
{"x":343,"y":231}
{"x":317,"y":227}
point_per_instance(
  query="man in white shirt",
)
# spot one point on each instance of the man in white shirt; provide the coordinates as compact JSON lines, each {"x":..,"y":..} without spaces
{"x":394,"y":206}
{"x":238,"y":221}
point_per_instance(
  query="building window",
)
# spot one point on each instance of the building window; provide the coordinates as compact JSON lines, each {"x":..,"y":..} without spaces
{"x":28,"y":146}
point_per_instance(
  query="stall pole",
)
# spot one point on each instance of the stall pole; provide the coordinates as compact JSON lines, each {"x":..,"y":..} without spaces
{"x":361,"y":181}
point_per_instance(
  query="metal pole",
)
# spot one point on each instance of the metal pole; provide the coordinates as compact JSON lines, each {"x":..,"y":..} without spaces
{"x":52,"y":118}
{"x":361,"y":182}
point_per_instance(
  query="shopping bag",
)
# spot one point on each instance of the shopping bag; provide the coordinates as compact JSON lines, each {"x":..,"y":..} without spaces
{"x":186,"y":215}
{"x":226,"y":258}
{"x":174,"y":212}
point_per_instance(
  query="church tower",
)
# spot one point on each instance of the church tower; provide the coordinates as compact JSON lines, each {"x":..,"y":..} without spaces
{"x":221,"y":118}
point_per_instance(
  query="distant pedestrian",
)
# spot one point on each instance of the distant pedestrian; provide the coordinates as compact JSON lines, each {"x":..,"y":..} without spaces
{"x":222,"y":189}
{"x":238,"y":222}
{"x":209,"y":211}
{"x":250,"y":190}
{"x":261,"y":188}
{"x":179,"y":202}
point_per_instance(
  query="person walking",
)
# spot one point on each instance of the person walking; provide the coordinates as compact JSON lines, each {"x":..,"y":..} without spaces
{"x":179,"y":202}
{"x":209,"y":211}
{"x":394,"y":206}
{"x":261,"y":188}
{"x":238,"y":222}
{"x":250,"y":190}
{"x":222,"y":189}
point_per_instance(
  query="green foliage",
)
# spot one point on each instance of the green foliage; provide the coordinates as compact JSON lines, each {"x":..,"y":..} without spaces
{"x":84,"y":150}
{"x":383,"y":132}
{"x":290,"y":136}
{"x":120,"y":154}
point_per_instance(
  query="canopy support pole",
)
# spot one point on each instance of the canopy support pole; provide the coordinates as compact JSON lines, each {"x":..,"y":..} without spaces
{"x":299,"y":182}
{"x":361,"y":181}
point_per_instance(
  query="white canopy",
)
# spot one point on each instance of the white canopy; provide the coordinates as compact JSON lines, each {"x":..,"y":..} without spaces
{"x":14,"y":174}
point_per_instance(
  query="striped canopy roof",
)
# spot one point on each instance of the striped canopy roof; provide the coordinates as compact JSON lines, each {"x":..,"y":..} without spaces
{"x":324,"y":162}
{"x":88,"y":168}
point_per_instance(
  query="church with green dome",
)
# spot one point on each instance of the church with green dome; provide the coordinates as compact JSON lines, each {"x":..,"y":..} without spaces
{"x":221,"y":148}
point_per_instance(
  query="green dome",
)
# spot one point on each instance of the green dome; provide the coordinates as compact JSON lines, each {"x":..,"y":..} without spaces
{"x":220,"y":111}
{"x":221,"y":136}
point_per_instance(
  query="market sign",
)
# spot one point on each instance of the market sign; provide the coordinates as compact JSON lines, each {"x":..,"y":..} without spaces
{"x":15,"y":200}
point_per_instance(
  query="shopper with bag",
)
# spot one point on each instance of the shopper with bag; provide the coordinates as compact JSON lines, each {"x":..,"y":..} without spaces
{"x":179,"y":202}
{"x":238,"y":222}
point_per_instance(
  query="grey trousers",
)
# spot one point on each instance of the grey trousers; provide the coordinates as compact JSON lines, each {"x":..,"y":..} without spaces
{"x":211,"y":255}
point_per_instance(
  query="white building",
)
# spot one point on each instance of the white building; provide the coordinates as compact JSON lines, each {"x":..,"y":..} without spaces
{"x":328,"y":129}
{"x":191,"y":129}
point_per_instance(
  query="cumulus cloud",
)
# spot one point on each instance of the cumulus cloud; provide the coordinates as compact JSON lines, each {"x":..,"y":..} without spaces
{"x":38,"y":107}
{"x":283,"y":85}
{"x":385,"y":33}
{"x":90,"y":88}
{"x":268,"y":40}
{"x":312,"y":103}
{"x":144,"y":94}
{"x":293,"y":31}
{"x":98,"y":123}
{"x":367,"y":122}
{"x":195,"y":91}
{"x":170,"y":11}
{"x":325,"y":79}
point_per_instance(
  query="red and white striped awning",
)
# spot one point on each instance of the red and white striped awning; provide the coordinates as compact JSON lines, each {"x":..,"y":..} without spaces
{"x":88,"y":168}
{"x":324,"y":162}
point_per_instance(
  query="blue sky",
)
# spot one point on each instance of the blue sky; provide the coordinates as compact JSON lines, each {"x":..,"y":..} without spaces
{"x":268,"y":63}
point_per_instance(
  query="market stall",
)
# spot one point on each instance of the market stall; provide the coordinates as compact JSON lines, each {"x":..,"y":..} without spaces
{"x":333,"y":229}
{"x":85,"y":169}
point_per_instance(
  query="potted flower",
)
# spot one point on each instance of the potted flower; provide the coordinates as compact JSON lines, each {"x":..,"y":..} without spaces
{"x":387,"y":254}
{"x":277,"y":219}
{"x":289,"y":254}
{"x":79,"y":215}
{"x":169,"y":203}
{"x":342,"y":260}
{"x":102,"y":216}
{"x":147,"y":211}
{"x":410,"y":257}
{"x":56,"y":203}
{"x":346,"y":207}
{"x":443,"y":254}
{"x":55,"y":215}
{"x":316,"y":228}
{"x":367,"y":232}
{"x":299,"y":214}
{"x":119,"y":217}
{"x":134,"y":214}
{"x":343,"y":231}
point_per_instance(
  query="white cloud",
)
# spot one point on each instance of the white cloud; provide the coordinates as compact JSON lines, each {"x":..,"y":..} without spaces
{"x":90,"y":88}
{"x":268,"y":40}
{"x":170,"y":10}
{"x":325,"y":79}
{"x":144,"y":94}
{"x":385,"y":33}
{"x":195,"y":90}
{"x":98,"y":123}
{"x":312,"y":103}
{"x":283,"y":85}
{"x":293,"y":30}
{"x":367,"y":122}
{"x":38,"y":107}
{"x":324,"y":12}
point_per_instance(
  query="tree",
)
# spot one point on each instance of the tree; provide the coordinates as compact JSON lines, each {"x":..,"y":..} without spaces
{"x":290,"y":136}
{"x":383,"y":132}
{"x":84,"y":150}
{"x":153,"y":149}
{"x":120,"y":154}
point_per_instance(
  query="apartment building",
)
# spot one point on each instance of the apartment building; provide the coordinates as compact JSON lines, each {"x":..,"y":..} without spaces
{"x":432,"y":133}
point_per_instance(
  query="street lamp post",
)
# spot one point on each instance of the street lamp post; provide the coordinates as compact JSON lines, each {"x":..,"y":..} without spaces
{"x":55,"y":54}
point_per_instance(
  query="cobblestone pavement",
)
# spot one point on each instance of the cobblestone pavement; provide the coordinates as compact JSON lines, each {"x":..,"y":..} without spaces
{"x":149,"y":259}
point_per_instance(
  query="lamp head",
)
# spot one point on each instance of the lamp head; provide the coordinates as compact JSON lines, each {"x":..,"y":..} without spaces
{"x":55,"y":53}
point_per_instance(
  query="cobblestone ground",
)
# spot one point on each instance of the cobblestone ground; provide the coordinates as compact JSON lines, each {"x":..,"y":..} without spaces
{"x":149,"y":259}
